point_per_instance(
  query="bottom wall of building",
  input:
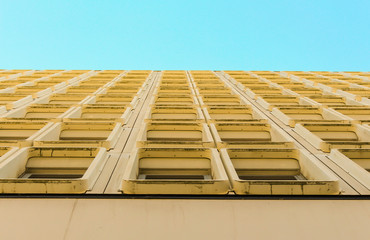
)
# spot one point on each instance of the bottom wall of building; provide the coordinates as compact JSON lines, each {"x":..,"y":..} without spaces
{"x":183,"y":219}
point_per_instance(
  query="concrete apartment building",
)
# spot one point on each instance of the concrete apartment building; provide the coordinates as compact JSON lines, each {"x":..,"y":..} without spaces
{"x":116,"y":154}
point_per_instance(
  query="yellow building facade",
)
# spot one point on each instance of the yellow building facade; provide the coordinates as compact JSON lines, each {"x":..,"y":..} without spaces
{"x":188,"y":149}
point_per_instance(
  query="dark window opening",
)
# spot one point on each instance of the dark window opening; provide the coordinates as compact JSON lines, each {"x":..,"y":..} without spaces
{"x":272,"y":177}
{"x":174,"y":177}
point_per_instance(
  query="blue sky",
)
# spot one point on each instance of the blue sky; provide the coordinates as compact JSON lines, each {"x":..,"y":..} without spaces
{"x":249,"y":35}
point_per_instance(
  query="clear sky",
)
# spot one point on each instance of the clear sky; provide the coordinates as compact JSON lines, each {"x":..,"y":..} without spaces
{"x":154,"y":34}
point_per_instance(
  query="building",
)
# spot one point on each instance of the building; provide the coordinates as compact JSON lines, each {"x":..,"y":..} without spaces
{"x":187,"y":154}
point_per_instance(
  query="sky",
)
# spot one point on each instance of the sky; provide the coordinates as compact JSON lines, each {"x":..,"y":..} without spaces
{"x":301,"y":35}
